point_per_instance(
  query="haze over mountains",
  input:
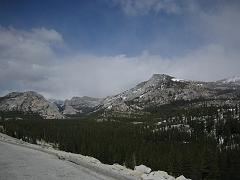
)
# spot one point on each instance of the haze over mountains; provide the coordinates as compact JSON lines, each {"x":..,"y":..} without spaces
{"x":160,"y":89}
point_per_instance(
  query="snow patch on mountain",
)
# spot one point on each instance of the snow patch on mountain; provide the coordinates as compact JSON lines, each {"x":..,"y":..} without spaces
{"x":235,"y":80}
{"x":232,"y":79}
{"x":177,"y":80}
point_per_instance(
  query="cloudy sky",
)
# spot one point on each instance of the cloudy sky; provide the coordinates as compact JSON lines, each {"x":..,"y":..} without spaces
{"x":102,"y":47}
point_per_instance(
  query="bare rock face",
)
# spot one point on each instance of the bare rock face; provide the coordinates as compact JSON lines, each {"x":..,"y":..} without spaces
{"x":30,"y":102}
{"x":78,"y":105}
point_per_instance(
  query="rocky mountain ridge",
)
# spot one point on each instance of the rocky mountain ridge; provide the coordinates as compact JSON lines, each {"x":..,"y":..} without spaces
{"x":159,"y":90}
{"x":81,"y":105}
{"x":163,"y":89}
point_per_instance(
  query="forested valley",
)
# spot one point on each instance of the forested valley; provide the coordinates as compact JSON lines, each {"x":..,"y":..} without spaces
{"x":200,"y":142}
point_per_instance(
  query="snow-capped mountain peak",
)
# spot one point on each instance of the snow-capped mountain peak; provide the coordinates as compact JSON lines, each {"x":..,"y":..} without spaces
{"x":232,"y":79}
{"x":235,"y":80}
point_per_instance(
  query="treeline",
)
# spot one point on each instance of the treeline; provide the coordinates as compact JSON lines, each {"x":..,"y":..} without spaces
{"x":204,"y":146}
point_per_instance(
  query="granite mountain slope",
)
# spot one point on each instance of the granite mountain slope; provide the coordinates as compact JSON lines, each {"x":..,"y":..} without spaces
{"x":30,"y":102}
{"x":163,"y":89}
{"x":81,"y":105}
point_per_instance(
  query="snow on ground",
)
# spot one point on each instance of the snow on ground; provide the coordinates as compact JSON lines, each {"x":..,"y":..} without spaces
{"x":20,"y":160}
{"x":177,"y":80}
{"x":161,"y":175}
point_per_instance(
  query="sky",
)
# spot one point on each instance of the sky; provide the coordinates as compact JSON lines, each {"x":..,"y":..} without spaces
{"x":99,"y":48}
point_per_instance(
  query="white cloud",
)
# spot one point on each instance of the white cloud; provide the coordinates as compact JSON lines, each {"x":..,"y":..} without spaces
{"x":223,"y":26}
{"x":102,"y":76}
{"x":28,"y":61}
{"x":34,"y":45}
{"x":26,"y":57}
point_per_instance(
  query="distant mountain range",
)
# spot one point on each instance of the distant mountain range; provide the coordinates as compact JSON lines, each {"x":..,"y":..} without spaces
{"x":159,"y":90}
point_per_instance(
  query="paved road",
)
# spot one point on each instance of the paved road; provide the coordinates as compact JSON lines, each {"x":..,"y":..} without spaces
{"x":20,"y":163}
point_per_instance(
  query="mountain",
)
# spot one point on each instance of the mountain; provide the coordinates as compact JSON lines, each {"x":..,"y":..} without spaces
{"x":30,"y":102}
{"x":81,"y":105}
{"x":235,"y":80}
{"x":168,"y":123}
{"x":163,"y":89}
{"x":58,"y":103}
{"x":159,"y":90}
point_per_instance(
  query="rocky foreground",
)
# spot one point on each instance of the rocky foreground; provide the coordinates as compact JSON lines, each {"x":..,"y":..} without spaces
{"x":21,"y":160}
